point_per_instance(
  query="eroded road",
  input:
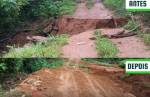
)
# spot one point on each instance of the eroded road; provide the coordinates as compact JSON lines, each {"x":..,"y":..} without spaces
{"x":83,"y":25}
{"x":80,"y":45}
{"x":71,"y":82}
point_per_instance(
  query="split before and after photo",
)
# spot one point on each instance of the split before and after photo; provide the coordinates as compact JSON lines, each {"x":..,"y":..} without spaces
{"x":74,"y":48}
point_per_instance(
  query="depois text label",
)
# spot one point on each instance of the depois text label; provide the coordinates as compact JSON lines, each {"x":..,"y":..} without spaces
{"x":138,"y":5}
{"x":138,"y":67}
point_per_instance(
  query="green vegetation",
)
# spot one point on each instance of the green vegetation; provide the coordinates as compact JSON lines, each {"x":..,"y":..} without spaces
{"x":17,"y":66}
{"x":145,"y":37}
{"x":18,"y":69}
{"x":1,"y":92}
{"x":105,"y":47}
{"x":37,"y":64}
{"x":14,"y":12}
{"x":104,"y":61}
{"x":89,"y":4}
{"x":67,"y":7}
{"x":130,"y":25}
{"x":118,"y":6}
{"x":48,"y":48}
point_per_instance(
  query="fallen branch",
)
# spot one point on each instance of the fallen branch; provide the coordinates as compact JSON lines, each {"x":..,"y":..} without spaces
{"x":123,"y":34}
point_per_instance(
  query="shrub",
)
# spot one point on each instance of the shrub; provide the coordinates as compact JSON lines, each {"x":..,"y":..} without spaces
{"x":12,"y":12}
{"x":14,"y":67}
{"x":131,"y":25}
{"x":9,"y":13}
{"x":36,"y":64}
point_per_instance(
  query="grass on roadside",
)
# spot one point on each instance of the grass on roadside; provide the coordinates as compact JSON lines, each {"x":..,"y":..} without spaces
{"x":89,"y":4}
{"x":105,"y":47}
{"x":118,"y":6}
{"x":68,"y":7}
{"x":145,"y":36}
{"x":130,"y":25}
{"x":48,"y":48}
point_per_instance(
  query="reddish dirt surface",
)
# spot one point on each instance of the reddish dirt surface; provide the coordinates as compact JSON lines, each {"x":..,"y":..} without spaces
{"x":80,"y":46}
{"x":72,"y":26}
{"x":129,"y":46}
{"x":98,"y":17}
{"x":71,"y":82}
{"x":98,"y":11}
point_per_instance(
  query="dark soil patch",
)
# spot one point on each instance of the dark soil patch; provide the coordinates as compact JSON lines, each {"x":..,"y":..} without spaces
{"x":72,"y":26}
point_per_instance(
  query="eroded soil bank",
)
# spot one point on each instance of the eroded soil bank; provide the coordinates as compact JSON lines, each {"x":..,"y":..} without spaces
{"x":81,"y":27}
{"x":91,"y":81}
{"x":69,"y":82}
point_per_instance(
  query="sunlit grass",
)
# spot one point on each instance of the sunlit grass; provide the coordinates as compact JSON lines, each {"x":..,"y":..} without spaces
{"x":105,"y":47}
{"x":48,"y":48}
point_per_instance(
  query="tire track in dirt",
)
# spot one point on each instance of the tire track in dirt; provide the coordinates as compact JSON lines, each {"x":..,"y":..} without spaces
{"x":70,"y":82}
{"x":68,"y":85}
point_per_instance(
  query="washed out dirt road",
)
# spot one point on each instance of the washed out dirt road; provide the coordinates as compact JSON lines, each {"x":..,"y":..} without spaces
{"x":71,"y":82}
{"x":129,"y":47}
{"x":80,"y":45}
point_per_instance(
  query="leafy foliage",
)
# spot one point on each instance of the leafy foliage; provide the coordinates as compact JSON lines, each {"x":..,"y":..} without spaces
{"x":15,"y":66}
{"x":9,"y":12}
{"x":14,"y":11}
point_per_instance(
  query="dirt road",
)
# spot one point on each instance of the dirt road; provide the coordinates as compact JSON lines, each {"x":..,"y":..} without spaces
{"x":130,"y":47}
{"x":80,"y":46}
{"x":71,"y":82}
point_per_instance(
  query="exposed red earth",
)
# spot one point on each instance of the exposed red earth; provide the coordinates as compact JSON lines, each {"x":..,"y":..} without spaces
{"x":71,"y":82}
{"x":85,"y":21}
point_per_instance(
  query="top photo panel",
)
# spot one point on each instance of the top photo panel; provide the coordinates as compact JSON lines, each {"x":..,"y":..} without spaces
{"x":74,"y":29}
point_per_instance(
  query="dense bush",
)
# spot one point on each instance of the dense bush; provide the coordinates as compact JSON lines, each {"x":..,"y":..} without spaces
{"x":13,"y":67}
{"x":12,"y":11}
{"x":9,"y":14}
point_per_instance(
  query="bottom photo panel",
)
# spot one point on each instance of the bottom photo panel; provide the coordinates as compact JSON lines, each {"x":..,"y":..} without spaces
{"x":101,"y":77}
